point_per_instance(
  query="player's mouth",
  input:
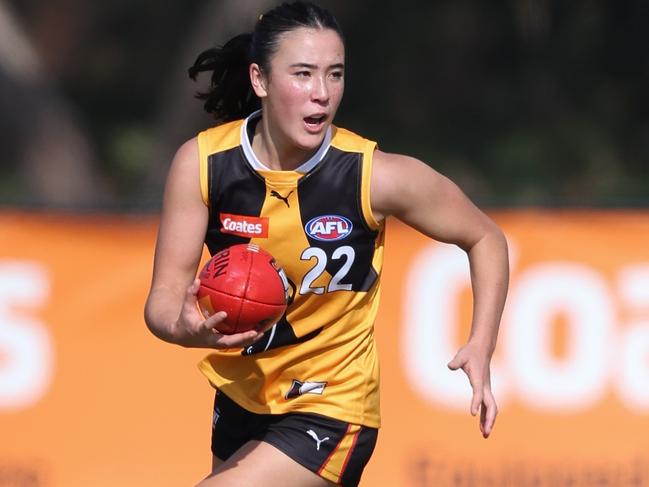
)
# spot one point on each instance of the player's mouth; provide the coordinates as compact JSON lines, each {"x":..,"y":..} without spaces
{"x":315,"y":123}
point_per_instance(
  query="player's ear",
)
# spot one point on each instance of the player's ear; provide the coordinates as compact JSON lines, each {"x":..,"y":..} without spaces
{"x":258,"y":80}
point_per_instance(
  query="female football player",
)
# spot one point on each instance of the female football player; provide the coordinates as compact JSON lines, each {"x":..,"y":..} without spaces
{"x":297,"y":404}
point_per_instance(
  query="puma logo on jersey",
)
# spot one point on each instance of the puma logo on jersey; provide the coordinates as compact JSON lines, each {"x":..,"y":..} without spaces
{"x":244,"y":225}
{"x":313,"y":435}
{"x":329,"y":227}
{"x":280,"y":197}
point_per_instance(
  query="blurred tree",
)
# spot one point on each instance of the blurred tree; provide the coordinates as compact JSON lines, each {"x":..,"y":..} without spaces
{"x":111,"y":60}
{"x":46,"y":154}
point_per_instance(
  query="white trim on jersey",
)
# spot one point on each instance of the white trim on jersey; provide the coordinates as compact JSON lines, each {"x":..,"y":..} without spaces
{"x":259,"y":166}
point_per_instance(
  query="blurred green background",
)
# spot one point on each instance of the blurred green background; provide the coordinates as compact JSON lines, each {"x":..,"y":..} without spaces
{"x":521,"y":102}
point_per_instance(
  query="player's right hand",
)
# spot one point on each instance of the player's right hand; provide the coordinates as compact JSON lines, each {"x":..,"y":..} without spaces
{"x":193,"y":330}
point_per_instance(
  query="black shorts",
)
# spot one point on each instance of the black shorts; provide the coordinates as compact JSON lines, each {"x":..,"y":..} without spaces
{"x":335,"y":450}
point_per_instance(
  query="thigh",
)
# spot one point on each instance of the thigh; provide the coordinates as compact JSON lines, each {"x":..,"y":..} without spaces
{"x":259,"y":464}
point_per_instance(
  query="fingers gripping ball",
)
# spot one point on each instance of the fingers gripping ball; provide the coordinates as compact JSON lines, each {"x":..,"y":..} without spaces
{"x":244,"y":281}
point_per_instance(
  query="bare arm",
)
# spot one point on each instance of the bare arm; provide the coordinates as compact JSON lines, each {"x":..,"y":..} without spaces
{"x":170,"y":312}
{"x":429,"y":202}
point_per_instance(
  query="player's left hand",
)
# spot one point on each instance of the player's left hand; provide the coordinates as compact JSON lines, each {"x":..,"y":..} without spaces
{"x":474,"y":361}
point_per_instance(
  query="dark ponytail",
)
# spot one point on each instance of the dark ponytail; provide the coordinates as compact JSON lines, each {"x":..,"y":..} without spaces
{"x":230,"y":96}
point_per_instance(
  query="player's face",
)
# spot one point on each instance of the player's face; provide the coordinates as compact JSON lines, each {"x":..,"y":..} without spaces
{"x":305,"y":86}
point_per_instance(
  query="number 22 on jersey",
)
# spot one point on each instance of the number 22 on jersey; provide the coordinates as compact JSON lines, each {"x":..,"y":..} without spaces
{"x":318,"y":255}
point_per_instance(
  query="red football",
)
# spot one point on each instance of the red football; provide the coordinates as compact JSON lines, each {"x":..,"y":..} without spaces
{"x":244,"y":281}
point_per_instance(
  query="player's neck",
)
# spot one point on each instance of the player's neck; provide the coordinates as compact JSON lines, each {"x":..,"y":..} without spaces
{"x":274,"y":152}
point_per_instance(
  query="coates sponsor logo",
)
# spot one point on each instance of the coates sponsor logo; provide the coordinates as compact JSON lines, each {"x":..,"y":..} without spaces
{"x":245,"y":226}
{"x":329,"y":227}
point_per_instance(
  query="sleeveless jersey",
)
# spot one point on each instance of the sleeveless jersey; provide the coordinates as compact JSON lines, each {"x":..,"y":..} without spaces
{"x":317,"y":223}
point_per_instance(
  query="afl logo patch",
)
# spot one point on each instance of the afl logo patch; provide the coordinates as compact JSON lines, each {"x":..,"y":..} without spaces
{"x":328,"y":228}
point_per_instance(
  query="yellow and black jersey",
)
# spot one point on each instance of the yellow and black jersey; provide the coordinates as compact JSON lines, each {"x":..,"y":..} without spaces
{"x":317,"y":223}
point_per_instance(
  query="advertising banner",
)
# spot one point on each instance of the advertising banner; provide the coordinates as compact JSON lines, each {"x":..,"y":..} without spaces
{"x":89,"y":397}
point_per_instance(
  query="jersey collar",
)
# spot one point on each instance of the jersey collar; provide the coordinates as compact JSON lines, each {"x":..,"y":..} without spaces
{"x":259,"y":166}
